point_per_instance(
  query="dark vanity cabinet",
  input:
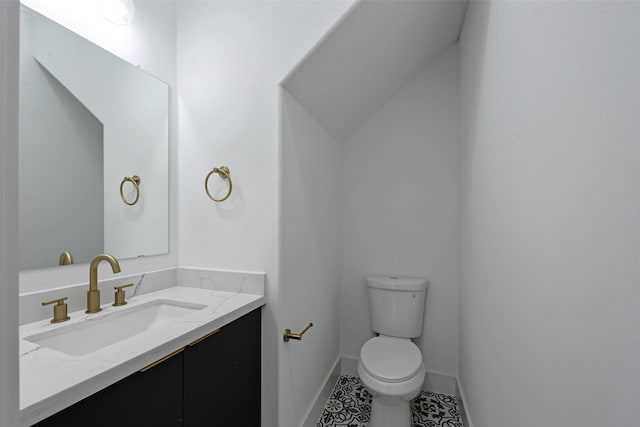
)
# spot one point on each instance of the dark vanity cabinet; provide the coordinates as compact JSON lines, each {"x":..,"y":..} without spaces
{"x":150,"y":398}
{"x":214,"y":381}
{"x":222,"y":376}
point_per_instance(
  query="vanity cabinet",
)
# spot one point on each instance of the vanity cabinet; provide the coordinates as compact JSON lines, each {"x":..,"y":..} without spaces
{"x":214,"y":381}
{"x":150,"y":398}
{"x":222,"y":377}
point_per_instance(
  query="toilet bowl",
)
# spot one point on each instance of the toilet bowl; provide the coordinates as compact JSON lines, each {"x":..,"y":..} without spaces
{"x":392,"y":371}
{"x":390,"y":365}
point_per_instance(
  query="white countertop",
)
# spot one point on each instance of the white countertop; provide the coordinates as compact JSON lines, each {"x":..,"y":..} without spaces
{"x":51,"y":380}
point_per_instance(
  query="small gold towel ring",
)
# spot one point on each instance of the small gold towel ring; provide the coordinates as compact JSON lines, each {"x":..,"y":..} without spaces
{"x":135,"y":180}
{"x":223,"y":171}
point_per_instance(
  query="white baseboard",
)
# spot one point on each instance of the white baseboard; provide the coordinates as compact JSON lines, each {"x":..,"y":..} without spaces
{"x":462,"y":402}
{"x":323,"y":395}
{"x":433,"y":381}
{"x":349,"y":366}
{"x":439,"y":383}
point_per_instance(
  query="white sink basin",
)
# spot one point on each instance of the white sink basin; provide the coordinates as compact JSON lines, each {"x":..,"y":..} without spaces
{"x":101,"y":330}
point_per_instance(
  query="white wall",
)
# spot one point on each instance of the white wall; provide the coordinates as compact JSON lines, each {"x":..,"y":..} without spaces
{"x":400,"y":209}
{"x":372,"y":53}
{"x":149,"y":41}
{"x":9,"y":60}
{"x":61,"y":165}
{"x":309,"y":259}
{"x":550,"y":322}
{"x":231,"y":58}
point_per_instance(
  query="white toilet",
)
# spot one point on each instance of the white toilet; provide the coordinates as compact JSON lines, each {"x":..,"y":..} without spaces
{"x":390,"y":364}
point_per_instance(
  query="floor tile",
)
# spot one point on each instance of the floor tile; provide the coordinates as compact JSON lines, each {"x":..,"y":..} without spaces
{"x":350,"y":406}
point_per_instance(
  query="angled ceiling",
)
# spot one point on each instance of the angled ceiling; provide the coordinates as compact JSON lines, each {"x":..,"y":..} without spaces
{"x":371,"y":53}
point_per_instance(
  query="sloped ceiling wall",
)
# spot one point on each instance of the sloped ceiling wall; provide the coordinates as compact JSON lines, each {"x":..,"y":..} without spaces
{"x":377,"y":48}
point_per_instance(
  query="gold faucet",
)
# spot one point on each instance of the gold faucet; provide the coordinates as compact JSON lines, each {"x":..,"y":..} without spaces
{"x":93,"y":296}
{"x":65,"y":258}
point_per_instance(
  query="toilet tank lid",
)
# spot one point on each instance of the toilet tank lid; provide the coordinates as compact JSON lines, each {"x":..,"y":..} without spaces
{"x":397,"y":283}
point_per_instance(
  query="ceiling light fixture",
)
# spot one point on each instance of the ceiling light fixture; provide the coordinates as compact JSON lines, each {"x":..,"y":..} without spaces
{"x":119,"y":12}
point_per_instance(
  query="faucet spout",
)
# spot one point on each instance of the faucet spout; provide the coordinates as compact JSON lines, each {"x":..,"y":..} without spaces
{"x":93,"y":295}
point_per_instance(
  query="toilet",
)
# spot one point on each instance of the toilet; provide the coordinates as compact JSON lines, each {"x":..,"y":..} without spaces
{"x":390,"y":364}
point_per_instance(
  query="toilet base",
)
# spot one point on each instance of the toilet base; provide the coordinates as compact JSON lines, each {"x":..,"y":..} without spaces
{"x":395,"y":413}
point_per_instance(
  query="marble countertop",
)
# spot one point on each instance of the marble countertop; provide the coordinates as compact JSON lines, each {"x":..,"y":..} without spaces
{"x":51,"y":380}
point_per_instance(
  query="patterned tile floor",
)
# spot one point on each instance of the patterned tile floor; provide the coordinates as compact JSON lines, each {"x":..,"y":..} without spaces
{"x":350,"y":406}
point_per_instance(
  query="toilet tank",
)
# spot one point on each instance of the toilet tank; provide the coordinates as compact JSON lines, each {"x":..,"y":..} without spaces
{"x":396,"y":305}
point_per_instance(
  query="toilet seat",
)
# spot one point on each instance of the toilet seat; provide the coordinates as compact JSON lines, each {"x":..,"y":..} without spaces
{"x":391,"y":360}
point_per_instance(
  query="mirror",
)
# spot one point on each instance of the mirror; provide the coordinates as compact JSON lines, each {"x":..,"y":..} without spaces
{"x":88,"y":120}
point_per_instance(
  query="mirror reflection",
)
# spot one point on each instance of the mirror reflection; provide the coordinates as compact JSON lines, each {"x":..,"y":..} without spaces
{"x":93,"y":151}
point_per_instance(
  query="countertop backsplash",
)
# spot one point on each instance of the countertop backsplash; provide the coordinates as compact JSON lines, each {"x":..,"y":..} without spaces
{"x":31,"y":308}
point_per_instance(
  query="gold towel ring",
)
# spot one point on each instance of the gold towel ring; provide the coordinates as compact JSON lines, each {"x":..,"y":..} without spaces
{"x":223,"y":171}
{"x":135,"y":180}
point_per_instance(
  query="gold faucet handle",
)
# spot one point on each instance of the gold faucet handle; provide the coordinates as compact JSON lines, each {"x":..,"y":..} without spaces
{"x":118,"y":299}
{"x":59,"y":310}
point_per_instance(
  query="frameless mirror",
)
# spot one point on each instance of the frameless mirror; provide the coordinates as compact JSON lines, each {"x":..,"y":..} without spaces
{"x":94,"y":134}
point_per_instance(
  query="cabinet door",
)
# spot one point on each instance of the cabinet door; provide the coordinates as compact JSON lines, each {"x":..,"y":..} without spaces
{"x":150,"y":398}
{"x":222,"y":377}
